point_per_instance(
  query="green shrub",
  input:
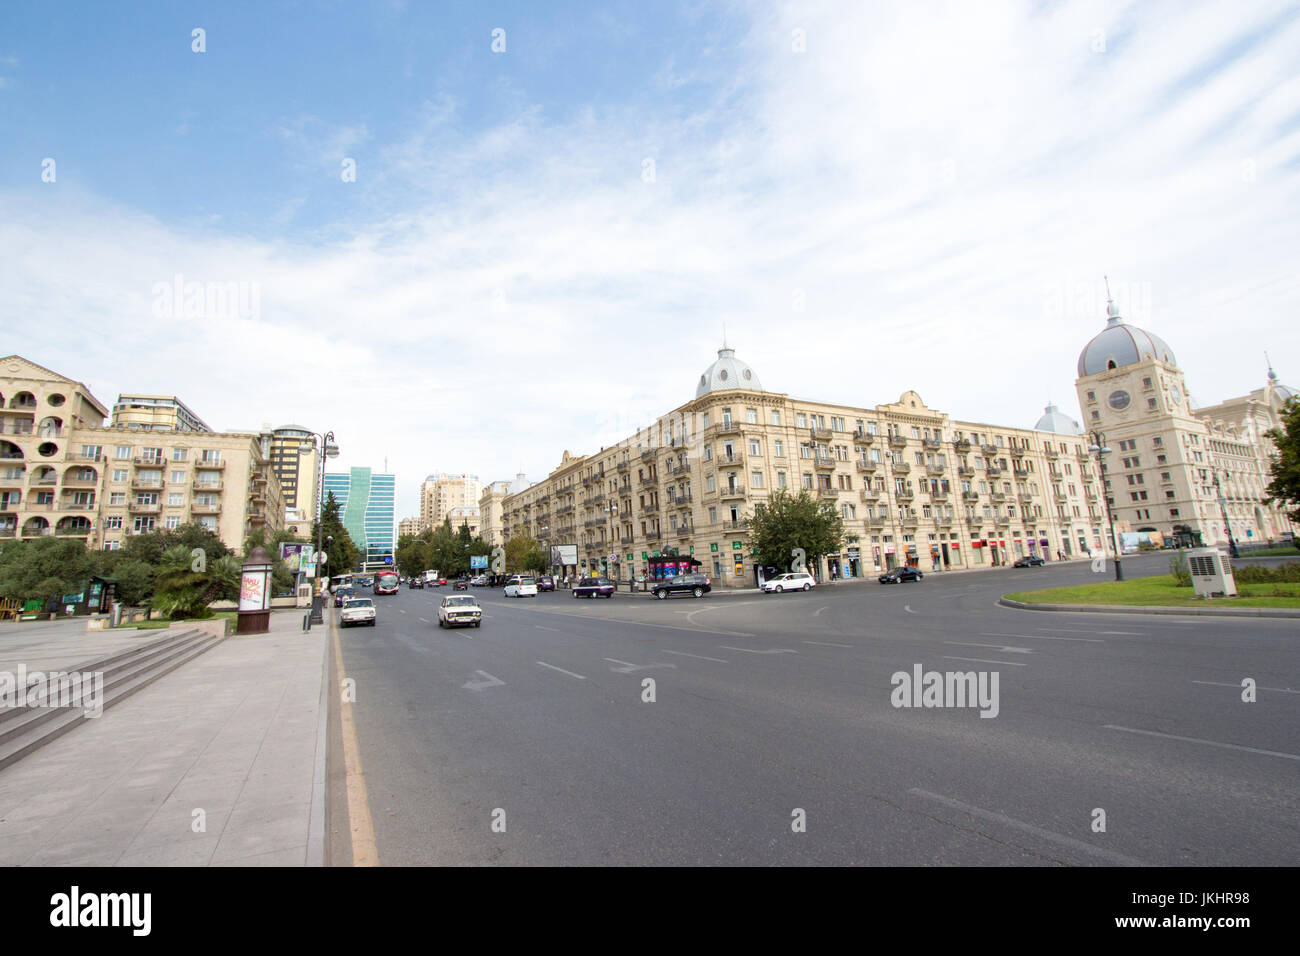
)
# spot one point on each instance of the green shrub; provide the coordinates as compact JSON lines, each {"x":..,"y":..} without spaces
{"x":1178,"y":568}
{"x":1254,"y":574}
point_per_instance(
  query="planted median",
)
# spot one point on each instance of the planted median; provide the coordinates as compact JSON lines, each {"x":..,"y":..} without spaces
{"x":1256,"y":587}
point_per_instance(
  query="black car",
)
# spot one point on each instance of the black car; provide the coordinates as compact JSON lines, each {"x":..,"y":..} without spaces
{"x":899,"y":575}
{"x":546,"y":583}
{"x":415,"y":583}
{"x":1033,"y":561}
{"x":594,"y":587}
{"x":695,"y":584}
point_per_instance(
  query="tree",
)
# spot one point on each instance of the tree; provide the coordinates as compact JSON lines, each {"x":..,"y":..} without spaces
{"x":518,"y":551}
{"x":181,"y":592}
{"x":342,"y":552}
{"x":282,"y":578}
{"x":535,"y":561}
{"x":150,"y":547}
{"x":43,"y":568}
{"x":1284,"y":488}
{"x":786,"y":523}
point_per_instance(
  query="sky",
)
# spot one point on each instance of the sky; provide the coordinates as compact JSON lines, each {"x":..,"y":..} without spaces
{"x":467,"y":237}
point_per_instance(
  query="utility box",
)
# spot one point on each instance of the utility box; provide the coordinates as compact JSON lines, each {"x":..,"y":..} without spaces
{"x":304,"y":595}
{"x":1211,"y":573}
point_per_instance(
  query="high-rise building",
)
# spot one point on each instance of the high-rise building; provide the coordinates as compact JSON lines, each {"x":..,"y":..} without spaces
{"x":296,"y":461}
{"x":442,"y":492}
{"x":156,"y":413}
{"x":368,"y":510}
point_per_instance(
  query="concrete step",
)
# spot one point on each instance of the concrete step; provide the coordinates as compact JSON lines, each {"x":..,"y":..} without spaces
{"x":23,"y":730}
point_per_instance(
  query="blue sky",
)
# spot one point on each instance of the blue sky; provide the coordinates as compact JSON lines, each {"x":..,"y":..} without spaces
{"x":941,"y":184}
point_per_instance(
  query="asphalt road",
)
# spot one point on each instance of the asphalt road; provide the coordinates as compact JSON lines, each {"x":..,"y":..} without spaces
{"x":769,"y":705}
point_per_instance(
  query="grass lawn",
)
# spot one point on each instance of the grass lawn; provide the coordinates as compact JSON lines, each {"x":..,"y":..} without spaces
{"x":161,"y":624}
{"x":1267,"y":552}
{"x":1161,"y":591}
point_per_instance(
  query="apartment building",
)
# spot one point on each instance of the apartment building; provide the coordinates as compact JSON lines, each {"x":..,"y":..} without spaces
{"x":295,"y":460}
{"x":408,"y":527}
{"x":912,"y":485}
{"x":490,"y":507}
{"x":64,"y":472}
{"x":441,"y":492}
{"x":156,"y":413}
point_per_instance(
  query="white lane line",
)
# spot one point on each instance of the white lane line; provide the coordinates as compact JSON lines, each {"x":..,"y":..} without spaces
{"x":827,"y":644}
{"x":1198,"y":740}
{"x":488,"y":681}
{"x":1277,"y":690}
{"x":996,"y":647}
{"x":908,"y":609}
{"x":628,"y":667}
{"x":401,"y":610}
{"x":750,"y":650}
{"x":425,"y":620}
{"x":1126,"y":633}
{"x":980,"y":660}
{"x":1039,"y":832}
{"x":819,"y":610}
{"x":1044,"y":637}
{"x":543,"y":627}
{"x":561,"y":670}
{"x":671,"y":627}
{"x":715,"y":607}
{"x":698,"y":657}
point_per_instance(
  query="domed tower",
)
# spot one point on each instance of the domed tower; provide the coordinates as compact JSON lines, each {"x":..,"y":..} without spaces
{"x":727,"y":372}
{"x":1131,"y":388}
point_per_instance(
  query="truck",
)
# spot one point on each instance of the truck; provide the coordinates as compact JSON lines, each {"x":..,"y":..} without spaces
{"x":432,"y":578}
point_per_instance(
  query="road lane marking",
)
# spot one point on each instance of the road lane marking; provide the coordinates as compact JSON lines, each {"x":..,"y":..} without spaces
{"x":561,"y":670}
{"x":672,"y":627}
{"x":819,"y":610}
{"x":750,"y":650}
{"x":908,"y":609}
{"x":401,"y":610}
{"x":1039,"y":832}
{"x":425,"y":621}
{"x":996,"y":647}
{"x":827,"y":644}
{"x":715,"y":607}
{"x":543,"y":627}
{"x":488,"y":681}
{"x":1278,"y":690}
{"x":628,"y":668}
{"x":1044,"y":637}
{"x":980,"y":660}
{"x":365,"y":851}
{"x":1127,"y":633}
{"x":698,"y":657}
{"x":1199,"y":740}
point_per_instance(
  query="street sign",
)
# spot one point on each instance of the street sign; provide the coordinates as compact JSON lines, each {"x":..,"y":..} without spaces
{"x":713,"y":547}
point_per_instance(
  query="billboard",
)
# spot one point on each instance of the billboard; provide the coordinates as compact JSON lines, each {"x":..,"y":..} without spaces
{"x":478,"y":562}
{"x":298,"y":558}
{"x":562,"y":554}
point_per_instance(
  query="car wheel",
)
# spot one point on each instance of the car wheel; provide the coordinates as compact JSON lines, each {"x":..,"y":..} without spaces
{"x":477,"y":623}
{"x":698,"y":592}
{"x":778,"y":589}
{"x":661,"y":595}
{"x":807,"y":587}
{"x":575,"y":594}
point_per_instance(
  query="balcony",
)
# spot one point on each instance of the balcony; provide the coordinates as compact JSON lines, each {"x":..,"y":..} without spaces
{"x":938,"y":495}
{"x":830,"y":494}
{"x":1053,"y":454}
{"x":586,"y":482}
{"x":990,"y":450}
{"x":621,"y":467}
{"x":208,"y":464}
{"x":994,"y":471}
{"x":902,"y":468}
{"x":78,"y":506}
{"x":931,"y":442}
{"x":73,"y":532}
{"x":1025,"y":500}
{"x":78,"y":482}
{"x":683,"y":469}
{"x":905,"y":494}
{"x":146,"y":483}
{"x":731,"y":492}
{"x":563,"y":510}
{"x":997,"y":497}
{"x":652,"y":536}
{"x":734,"y":524}
{"x":824,"y":463}
{"x":649,"y":481}
{"x":139,"y":507}
{"x":598,"y":498}
{"x":45,"y":481}
{"x":726,"y":427}
{"x":679,"y":501}
{"x":869,"y":494}
{"x":734,"y":458}
{"x":962,"y":445}
{"x":685,"y":531}
{"x":897,"y":441}
{"x":877,"y":521}
{"x":625,"y":539}
{"x":149,"y":462}
{"x":78,"y":456}
{"x":822,"y":434}
{"x":966,"y":471}
{"x":862,"y":437}
{"x":211,"y":508}
{"x":908,"y":521}
{"x":650,"y":507}
{"x":866,"y":467}
{"x":933,"y":469}
{"x":970,"y":496}
{"x":1017,"y":451}
{"x":648,"y":454}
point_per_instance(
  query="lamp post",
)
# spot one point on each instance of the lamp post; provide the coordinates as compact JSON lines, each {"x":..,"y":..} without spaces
{"x":1223,"y":509}
{"x":328,"y":449}
{"x":1098,"y":448}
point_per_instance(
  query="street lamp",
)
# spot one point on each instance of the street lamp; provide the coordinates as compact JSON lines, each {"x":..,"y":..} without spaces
{"x":1098,"y":448}
{"x":1223,"y":509}
{"x":328,"y":450}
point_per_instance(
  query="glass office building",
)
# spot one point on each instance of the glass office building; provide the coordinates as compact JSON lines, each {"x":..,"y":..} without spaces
{"x":368,"y":509}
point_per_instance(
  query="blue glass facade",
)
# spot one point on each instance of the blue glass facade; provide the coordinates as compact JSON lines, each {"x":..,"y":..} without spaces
{"x":368,"y":509}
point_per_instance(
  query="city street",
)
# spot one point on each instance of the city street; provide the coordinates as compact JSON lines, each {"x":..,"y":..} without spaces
{"x":765,"y":706}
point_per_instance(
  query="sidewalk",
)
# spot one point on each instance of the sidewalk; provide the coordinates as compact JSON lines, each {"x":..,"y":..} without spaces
{"x":231,"y":745}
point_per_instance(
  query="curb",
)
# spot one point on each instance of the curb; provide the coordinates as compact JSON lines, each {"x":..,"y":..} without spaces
{"x":316,"y":824}
{"x":1281,"y":612}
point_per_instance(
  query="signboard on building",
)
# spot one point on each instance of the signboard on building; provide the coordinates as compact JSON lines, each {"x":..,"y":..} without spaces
{"x":562,"y":554}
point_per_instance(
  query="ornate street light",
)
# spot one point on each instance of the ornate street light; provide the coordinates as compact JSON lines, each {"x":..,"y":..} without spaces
{"x":328,"y":450}
{"x":1098,"y":448}
{"x":1223,"y":509}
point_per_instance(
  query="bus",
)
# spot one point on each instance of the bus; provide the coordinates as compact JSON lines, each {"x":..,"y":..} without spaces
{"x":386,"y":582}
{"x":432,"y":578}
{"x":340,"y":581}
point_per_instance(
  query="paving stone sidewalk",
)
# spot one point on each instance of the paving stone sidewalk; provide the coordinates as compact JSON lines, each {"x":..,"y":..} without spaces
{"x":238,"y":733}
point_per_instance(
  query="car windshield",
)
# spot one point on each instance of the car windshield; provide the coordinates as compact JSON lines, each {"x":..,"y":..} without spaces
{"x":359,"y":602}
{"x":458,"y":602}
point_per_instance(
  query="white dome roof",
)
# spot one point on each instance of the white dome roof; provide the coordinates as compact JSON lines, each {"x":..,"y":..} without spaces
{"x":1122,"y":344}
{"x":1054,"y":421}
{"x":727,"y":372}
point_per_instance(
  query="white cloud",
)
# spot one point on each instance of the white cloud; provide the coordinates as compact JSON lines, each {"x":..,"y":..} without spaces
{"x":945,"y":189}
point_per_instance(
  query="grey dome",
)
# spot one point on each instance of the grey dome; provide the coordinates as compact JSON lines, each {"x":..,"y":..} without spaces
{"x":1123,"y":344}
{"x":727,"y":372}
{"x":1054,"y":421}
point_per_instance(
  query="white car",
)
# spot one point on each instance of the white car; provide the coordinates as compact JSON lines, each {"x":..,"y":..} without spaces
{"x":520,"y":586}
{"x":795,"y":581}
{"x":357,"y":611}
{"x":459,"y":610}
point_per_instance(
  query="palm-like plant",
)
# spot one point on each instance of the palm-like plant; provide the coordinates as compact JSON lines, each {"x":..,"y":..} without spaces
{"x":181,"y":592}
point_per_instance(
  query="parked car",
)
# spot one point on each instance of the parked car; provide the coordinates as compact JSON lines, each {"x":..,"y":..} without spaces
{"x":594,"y":587}
{"x":546,"y":583}
{"x":357,"y":611}
{"x":462,"y":584}
{"x":794,"y":581}
{"x":696,"y":584}
{"x":1032,"y":561}
{"x":520,"y":586}
{"x":899,"y":575}
{"x":459,"y":610}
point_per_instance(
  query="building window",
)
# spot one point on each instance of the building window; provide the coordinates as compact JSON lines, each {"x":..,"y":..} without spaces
{"x":776,"y":417}
{"x":709,"y":483}
{"x":756,"y":479}
{"x":778,"y":448}
{"x":178,"y":454}
{"x":119,"y":474}
{"x":122,"y":451}
{"x":1151,"y":403}
{"x":113,"y":523}
{"x":807,"y":481}
{"x":780,"y":479}
{"x":753,"y":447}
{"x":751,"y":416}
{"x":173,"y":521}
